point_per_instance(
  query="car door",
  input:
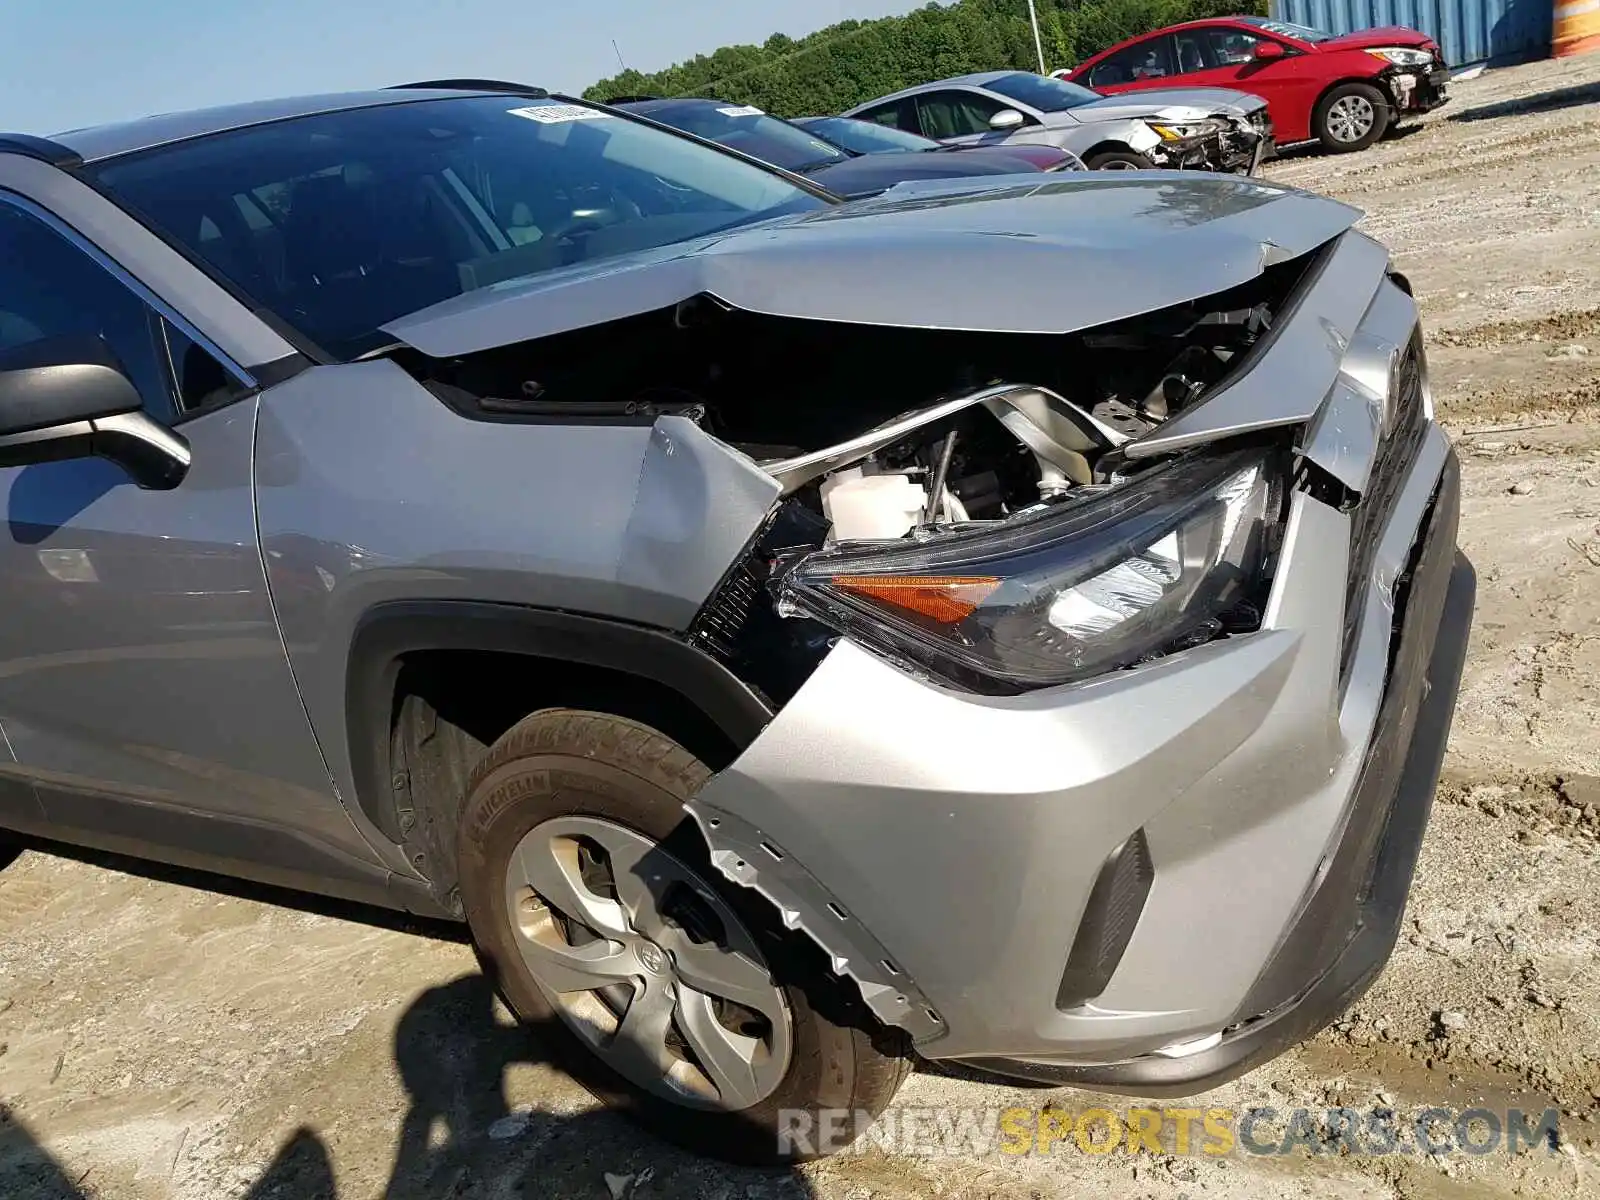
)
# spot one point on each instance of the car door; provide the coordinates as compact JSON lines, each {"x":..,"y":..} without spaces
{"x":144,"y":690}
{"x":1224,"y":56}
{"x":1146,"y":64}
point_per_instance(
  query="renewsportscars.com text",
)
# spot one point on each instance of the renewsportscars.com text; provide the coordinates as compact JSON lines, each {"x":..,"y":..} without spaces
{"x":1209,"y":1132}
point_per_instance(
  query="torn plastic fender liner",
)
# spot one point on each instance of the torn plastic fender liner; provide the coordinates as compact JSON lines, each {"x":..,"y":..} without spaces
{"x":744,"y":856}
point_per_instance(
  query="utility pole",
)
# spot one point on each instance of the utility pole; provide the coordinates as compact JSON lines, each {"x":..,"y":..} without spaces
{"x":1033,"y":17}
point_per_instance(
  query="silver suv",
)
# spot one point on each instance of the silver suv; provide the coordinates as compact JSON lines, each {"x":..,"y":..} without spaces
{"x":795,"y":637}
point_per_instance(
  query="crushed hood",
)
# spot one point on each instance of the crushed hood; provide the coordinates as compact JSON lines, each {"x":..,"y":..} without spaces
{"x":1174,"y":104}
{"x":1009,"y":255}
{"x":1386,"y":35}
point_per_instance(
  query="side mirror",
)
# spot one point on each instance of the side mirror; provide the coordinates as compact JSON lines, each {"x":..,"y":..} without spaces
{"x":69,"y":397}
{"x":1006,"y":118}
{"x":1265,"y":50}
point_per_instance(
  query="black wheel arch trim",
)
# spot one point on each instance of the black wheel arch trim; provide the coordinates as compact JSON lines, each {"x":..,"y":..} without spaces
{"x":388,"y":632}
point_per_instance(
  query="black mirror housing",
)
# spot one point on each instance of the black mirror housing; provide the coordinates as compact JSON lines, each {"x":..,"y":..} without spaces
{"x":62,"y":381}
{"x":69,"y":397}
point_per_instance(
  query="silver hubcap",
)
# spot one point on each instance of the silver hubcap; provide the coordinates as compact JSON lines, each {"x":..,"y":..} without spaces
{"x":646,"y":964}
{"x":1118,"y":164}
{"x":1350,"y":119}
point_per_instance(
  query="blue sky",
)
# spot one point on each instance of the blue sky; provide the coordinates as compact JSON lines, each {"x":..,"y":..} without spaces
{"x":79,"y":62}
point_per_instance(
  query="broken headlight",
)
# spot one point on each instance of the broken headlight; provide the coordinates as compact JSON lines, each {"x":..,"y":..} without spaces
{"x":1402,"y":56}
{"x":1108,"y":578}
{"x":1185,"y":131}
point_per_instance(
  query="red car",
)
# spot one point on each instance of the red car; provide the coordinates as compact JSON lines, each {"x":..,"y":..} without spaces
{"x":1345,"y":91}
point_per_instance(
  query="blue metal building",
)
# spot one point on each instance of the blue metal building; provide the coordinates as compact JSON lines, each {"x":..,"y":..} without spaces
{"x":1470,"y":31}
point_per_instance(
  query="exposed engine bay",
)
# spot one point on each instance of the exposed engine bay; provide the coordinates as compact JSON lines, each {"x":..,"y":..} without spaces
{"x":865,"y":423}
{"x":875,"y":434}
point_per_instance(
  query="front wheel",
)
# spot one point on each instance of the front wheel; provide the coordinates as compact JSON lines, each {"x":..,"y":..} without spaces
{"x":668,"y":992}
{"x":1350,"y":117}
{"x":1118,"y":160}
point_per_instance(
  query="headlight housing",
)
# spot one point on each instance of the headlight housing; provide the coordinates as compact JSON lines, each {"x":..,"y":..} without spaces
{"x":1117,"y":575}
{"x":1183,"y":131}
{"x":1402,"y":56}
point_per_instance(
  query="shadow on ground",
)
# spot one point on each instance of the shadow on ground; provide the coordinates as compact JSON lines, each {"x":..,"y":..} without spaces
{"x":459,"y":1137}
{"x":1305,"y":150}
{"x":1568,"y":97}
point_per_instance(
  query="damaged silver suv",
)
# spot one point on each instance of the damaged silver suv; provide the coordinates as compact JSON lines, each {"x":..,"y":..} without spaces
{"x":1013,"y":622}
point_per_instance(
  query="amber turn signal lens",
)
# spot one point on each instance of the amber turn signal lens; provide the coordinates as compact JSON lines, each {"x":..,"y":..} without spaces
{"x":946,"y":599}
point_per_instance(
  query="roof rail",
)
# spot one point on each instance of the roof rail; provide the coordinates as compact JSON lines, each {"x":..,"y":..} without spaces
{"x":40,"y":148}
{"x":629,"y":99}
{"x":472,"y":85}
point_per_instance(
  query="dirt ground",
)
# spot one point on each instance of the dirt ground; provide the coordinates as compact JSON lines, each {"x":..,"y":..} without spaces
{"x":160,"y":1040}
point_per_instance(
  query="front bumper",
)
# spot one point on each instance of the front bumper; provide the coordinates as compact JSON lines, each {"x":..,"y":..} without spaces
{"x":1250,"y":143}
{"x":949,"y":850}
{"x":1416,"y":90}
{"x":1345,"y":933}
{"x":1190,"y":154}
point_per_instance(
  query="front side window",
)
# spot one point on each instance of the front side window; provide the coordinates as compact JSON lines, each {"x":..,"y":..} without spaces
{"x":1220,"y":47}
{"x":49,"y":288}
{"x":1150,"y":59}
{"x":956,"y":114}
{"x":1042,"y":93}
{"x":340,"y":223}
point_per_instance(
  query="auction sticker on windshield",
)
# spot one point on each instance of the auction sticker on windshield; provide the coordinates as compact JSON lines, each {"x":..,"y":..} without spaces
{"x":743,"y":110}
{"x":557,"y":114}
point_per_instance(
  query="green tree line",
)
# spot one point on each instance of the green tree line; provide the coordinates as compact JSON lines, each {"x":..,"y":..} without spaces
{"x":851,"y":62}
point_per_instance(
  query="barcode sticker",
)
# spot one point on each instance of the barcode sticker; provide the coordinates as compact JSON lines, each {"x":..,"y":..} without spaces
{"x":559,"y":114}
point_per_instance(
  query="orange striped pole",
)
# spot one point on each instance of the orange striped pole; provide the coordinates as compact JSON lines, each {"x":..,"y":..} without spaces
{"x":1576,"y":29}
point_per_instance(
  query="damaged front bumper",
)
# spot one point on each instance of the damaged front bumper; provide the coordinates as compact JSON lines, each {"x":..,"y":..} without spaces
{"x":1250,"y":142}
{"x":1239,"y":148}
{"x":1416,"y":90}
{"x":1192,"y":862}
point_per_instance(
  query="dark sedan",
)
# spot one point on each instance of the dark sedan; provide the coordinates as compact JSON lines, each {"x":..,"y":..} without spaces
{"x":868,"y":137}
{"x":844,"y":172}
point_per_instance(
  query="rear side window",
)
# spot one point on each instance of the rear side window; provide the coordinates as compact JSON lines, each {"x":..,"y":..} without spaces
{"x":899,"y":114}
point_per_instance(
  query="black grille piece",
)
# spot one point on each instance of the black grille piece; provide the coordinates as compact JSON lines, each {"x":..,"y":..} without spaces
{"x":722,"y":622}
{"x":1388,"y":474}
{"x":739,"y":626}
{"x":1109,"y":919}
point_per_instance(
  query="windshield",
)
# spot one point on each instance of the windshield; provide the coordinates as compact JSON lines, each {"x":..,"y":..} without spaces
{"x":1041,"y":92}
{"x":866,"y":137}
{"x":340,"y":223}
{"x":751,"y":131}
{"x":1287,"y":29}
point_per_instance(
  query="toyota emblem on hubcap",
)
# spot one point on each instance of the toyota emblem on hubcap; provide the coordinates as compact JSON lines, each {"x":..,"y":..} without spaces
{"x":653,"y":957}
